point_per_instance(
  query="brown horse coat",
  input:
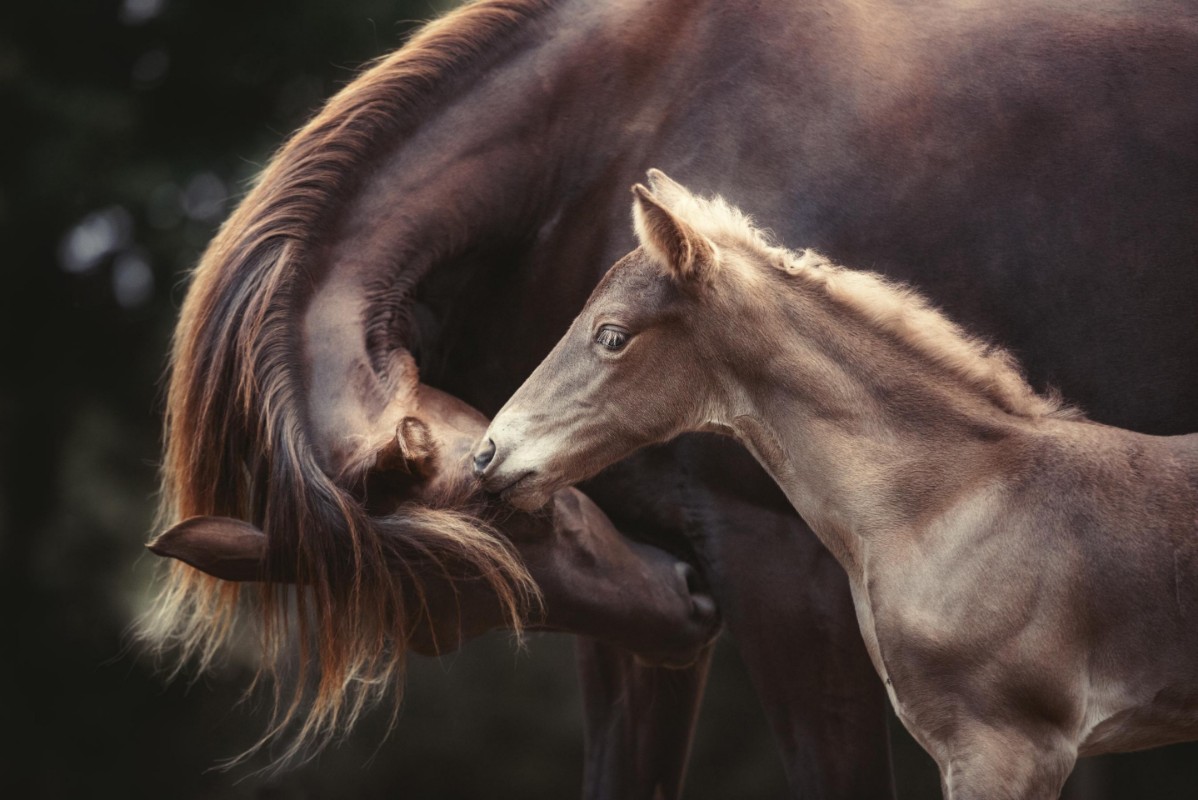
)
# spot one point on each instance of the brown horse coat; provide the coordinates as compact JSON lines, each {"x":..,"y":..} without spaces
{"x":1025,"y":579}
{"x":462,"y":197}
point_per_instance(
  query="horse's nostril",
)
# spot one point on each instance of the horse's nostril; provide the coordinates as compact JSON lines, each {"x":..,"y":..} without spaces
{"x":689,"y":576}
{"x":482,"y":459}
{"x":703,"y":606}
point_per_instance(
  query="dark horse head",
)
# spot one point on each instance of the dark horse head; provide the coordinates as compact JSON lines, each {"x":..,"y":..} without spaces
{"x":304,"y":453}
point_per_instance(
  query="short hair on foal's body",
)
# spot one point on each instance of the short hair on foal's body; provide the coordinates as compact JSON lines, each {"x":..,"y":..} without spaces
{"x":895,"y":309}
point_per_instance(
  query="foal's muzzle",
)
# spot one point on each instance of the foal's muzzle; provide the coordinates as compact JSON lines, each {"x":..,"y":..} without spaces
{"x":506,"y":466}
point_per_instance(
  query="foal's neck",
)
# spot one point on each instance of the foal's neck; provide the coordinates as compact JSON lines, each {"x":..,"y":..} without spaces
{"x":869,"y":438}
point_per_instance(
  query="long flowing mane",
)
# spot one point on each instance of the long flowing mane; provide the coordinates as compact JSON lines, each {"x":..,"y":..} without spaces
{"x":894,"y":308}
{"x":911,"y":319}
{"x":237,"y":443}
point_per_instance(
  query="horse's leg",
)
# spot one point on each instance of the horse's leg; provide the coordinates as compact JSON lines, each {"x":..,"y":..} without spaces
{"x":786,"y":603}
{"x":987,"y":764}
{"x":639,"y":723}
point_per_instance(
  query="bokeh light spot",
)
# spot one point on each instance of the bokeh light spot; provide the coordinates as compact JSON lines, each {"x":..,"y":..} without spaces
{"x":132,"y":280}
{"x":135,"y":12}
{"x":204,"y":197}
{"x":93,"y":238}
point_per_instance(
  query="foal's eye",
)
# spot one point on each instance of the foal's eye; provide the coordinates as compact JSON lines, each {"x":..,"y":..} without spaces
{"x":611,"y":338}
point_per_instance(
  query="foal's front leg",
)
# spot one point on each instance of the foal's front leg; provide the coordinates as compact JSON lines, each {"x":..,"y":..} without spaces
{"x":988,"y":764}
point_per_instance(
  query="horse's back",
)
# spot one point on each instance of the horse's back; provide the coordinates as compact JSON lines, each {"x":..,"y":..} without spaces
{"x":1185,"y":448}
{"x":1032,"y":166}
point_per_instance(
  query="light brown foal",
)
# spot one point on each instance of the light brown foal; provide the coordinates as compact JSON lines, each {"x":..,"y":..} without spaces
{"x":1026,"y":580}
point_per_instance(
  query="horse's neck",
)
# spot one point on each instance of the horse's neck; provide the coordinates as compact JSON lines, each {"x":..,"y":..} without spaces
{"x":516,"y":182}
{"x":562,"y":124}
{"x":457,"y":193}
{"x":865,"y":450}
{"x":521,"y":167}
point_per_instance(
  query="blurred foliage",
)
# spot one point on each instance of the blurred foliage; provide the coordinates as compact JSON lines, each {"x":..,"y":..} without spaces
{"x":130,"y":129}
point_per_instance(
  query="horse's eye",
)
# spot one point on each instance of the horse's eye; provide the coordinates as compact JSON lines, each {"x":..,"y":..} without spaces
{"x":611,"y":338}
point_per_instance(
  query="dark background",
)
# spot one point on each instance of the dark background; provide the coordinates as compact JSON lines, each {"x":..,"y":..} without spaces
{"x":128,"y":129}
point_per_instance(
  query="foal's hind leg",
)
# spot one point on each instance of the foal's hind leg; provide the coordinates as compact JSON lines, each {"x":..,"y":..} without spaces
{"x":988,"y":764}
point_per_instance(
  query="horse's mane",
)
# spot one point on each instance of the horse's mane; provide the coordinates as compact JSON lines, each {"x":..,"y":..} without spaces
{"x":894,"y":308}
{"x":237,"y":443}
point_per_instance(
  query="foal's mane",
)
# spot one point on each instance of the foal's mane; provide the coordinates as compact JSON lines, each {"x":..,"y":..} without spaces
{"x":237,"y":441}
{"x":897,"y":310}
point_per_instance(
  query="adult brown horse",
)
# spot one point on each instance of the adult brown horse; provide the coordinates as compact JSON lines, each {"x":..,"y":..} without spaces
{"x":461,"y":198}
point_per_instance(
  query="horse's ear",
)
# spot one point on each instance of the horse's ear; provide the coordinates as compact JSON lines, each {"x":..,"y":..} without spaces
{"x":664,"y":187}
{"x":220,"y":546}
{"x":687,"y":254}
{"x":412,"y":451}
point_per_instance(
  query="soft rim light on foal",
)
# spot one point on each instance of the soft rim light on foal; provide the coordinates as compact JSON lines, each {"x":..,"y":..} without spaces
{"x":1020,"y":573}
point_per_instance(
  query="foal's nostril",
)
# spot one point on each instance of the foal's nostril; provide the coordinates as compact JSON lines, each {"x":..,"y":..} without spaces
{"x":482,"y":459}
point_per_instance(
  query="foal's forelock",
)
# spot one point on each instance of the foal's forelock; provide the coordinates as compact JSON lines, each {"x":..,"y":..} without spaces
{"x":238,"y":444}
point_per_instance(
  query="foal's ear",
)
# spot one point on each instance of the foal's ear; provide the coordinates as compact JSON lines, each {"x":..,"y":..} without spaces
{"x":664,"y":187}
{"x":687,"y":254}
{"x":223,"y":547}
